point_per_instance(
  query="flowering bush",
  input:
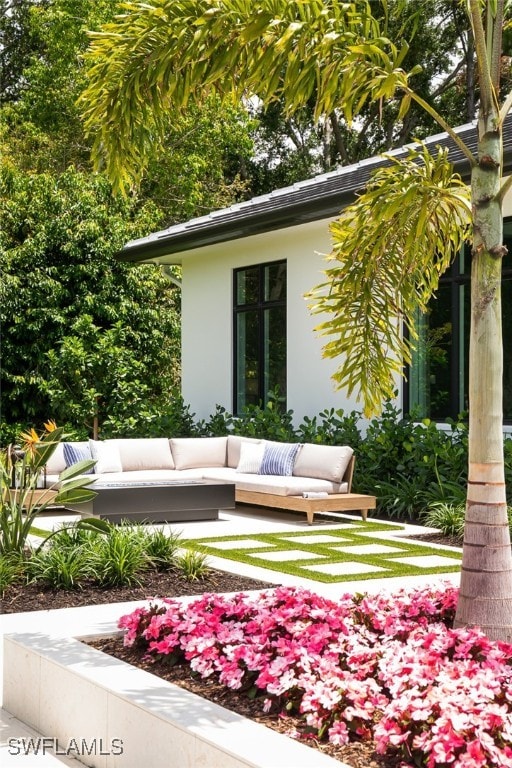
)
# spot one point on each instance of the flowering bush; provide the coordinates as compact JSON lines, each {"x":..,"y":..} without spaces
{"x":387,"y":668}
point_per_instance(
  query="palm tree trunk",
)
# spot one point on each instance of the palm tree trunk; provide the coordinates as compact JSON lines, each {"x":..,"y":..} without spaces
{"x":486,"y":580}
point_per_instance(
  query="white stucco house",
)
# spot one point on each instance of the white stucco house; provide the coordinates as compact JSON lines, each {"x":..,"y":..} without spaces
{"x":246,"y":326}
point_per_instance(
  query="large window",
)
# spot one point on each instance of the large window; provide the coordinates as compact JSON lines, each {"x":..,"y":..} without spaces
{"x":438,"y":378}
{"x":260,"y":334}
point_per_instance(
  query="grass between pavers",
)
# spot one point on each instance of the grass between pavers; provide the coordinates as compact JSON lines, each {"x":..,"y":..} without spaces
{"x":337,"y":552}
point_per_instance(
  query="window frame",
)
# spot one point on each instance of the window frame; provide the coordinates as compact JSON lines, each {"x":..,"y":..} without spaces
{"x":456,"y":278}
{"x":260,"y":306}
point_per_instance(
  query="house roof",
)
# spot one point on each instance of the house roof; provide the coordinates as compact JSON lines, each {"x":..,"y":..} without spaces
{"x":321,"y":197}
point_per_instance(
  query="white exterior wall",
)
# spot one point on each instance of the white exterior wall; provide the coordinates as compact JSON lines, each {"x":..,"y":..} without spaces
{"x":207,"y":320}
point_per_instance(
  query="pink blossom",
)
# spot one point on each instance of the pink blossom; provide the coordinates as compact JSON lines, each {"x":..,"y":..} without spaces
{"x":385,"y":667}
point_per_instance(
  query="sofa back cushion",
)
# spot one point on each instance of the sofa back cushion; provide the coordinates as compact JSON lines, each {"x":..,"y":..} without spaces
{"x":192,"y":452}
{"x":141,"y":453}
{"x":326,"y":462}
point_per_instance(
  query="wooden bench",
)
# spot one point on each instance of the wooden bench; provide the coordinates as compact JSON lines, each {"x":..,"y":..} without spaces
{"x":334,"y":502}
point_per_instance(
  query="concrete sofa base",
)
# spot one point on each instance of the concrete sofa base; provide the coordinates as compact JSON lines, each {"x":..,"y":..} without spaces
{"x":112,"y":715}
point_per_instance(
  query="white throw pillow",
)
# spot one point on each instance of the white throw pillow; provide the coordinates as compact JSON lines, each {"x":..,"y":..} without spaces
{"x":107,"y":457}
{"x":234,"y":445}
{"x":251,"y":456}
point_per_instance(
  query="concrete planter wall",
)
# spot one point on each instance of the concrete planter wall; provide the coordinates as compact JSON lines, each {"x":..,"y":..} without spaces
{"x":109,"y":714}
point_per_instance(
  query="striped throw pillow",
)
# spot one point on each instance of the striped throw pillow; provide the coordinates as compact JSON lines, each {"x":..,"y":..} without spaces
{"x":75,"y":453}
{"x":279,"y":458}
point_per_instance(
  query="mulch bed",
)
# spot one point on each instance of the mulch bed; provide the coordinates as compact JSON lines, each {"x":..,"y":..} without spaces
{"x":33,"y":597}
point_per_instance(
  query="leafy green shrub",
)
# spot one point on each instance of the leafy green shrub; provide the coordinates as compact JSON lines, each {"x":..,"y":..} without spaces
{"x":449,"y":518}
{"x":12,"y":567}
{"x":162,"y":548}
{"x":331,"y":427}
{"x":173,"y":419}
{"x":220,"y":423}
{"x":119,"y":559}
{"x":61,"y":568}
{"x":267,"y":422}
{"x":400,"y":498}
{"x":193,"y":564}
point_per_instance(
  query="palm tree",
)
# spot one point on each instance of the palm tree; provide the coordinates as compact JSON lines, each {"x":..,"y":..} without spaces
{"x":391,"y":246}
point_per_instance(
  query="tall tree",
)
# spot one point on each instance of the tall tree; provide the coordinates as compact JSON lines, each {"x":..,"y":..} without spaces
{"x":165,"y":53}
{"x":84,"y":338}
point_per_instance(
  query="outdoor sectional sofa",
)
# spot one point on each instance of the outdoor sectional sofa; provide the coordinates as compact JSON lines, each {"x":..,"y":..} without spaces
{"x":300,"y":477}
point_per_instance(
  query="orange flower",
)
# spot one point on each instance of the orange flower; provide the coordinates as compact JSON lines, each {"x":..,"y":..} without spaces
{"x":50,"y":426}
{"x":30,"y":440}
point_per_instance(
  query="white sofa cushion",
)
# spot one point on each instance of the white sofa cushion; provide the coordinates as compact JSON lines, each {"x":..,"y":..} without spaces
{"x":106,"y":456}
{"x":234,"y":446}
{"x":251,"y":456}
{"x":276,"y":484}
{"x":144,"y":453}
{"x":191,"y":452}
{"x":327,"y":462}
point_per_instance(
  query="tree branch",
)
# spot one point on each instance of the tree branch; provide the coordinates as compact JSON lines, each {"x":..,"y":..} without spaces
{"x":497,"y":35}
{"x":487,"y":95}
{"x":507,"y":184}
{"x":444,"y":125}
{"x":506,"y":107}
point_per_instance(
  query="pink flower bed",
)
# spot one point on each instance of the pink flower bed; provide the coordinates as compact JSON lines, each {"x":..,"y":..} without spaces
{"x":386,"y":668}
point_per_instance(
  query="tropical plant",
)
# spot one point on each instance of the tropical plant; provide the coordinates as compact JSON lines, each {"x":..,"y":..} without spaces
{"x":21,"y":497}
{"x":193,"y":565}
{"x":162,"y":549}
{"x":60,"y":567}
{"x":392,"y":245}
{"x":11,"y":569}
{"x":119,"y":558}
{"x":449,"y":518}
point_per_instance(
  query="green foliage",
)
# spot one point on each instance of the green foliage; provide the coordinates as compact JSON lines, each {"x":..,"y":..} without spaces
{"x":193,"y":564}
{"x":267,"y":421}
{"x":171,"y":418}
{"x":331,"y":427}
{"x":119,"y":559}
{"x":11,"y":569}
{"x":390,"y":248}
{"x":148,"y":58}
{"x":60,"y":567}
{"x":400,"y":498}
{"x":449,"y":518}
{"x":162,"y":548}
{"x":84,"y":336}
{"x":21,"y":505}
